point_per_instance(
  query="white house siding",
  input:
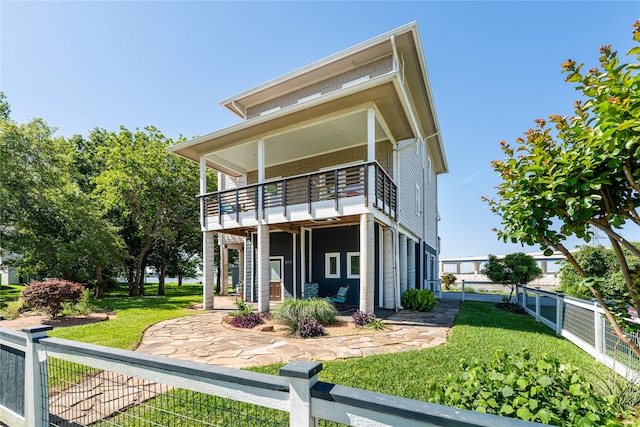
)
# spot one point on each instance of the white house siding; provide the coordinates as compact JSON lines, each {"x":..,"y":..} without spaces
{"x":431,"y":208}
{"x":410,"y":174}
{"x":372,"y":69}
{"x":314,"y":164}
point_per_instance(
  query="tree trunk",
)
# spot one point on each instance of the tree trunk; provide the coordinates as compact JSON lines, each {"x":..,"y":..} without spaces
{"x":132,"y":281}
{"x":163,"y":272}
{"x":179,"y":279}
{"x":99,"y":282}
{"x":141,"y":266}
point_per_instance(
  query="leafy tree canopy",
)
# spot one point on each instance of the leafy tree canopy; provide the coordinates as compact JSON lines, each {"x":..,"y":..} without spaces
{"x":573,"y":173}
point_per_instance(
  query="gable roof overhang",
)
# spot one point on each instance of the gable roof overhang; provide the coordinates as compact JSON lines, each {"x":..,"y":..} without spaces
{"x":386,"y":91}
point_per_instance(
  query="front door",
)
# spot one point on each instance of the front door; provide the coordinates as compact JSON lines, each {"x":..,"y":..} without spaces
{"x":275,"y":278}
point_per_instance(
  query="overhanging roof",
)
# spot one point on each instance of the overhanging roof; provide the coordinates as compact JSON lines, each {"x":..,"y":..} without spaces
{"x":383,"y":90}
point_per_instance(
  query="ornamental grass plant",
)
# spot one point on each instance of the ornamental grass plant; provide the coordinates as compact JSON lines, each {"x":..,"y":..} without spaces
{"x":292,"y":312}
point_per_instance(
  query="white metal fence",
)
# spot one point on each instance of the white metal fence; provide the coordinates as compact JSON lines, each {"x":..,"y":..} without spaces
{"x":55,"y":382}
{"x":584,"y":324}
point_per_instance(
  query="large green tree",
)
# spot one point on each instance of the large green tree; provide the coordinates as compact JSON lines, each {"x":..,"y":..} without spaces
{"x":150,"y":194}
{"x":574,"y":173}
{"x":55,"y":228}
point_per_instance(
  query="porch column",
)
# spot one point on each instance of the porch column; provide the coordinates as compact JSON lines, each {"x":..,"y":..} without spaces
{"x":367,"y":263}
{"x":389,"y":283}
{"x":402,"y":261}
{"x":263,"y":268}
{"x":241,"y":266}
{"x":208,"y":269}
{"x":224,"y":270}
{"x":411,"y":264}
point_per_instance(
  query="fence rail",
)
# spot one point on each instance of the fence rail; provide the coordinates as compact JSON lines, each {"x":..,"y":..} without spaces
{"x":583,"y":323}
{"x":67,"y":383}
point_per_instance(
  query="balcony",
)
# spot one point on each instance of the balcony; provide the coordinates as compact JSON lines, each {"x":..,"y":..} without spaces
{"x":316,"y":197}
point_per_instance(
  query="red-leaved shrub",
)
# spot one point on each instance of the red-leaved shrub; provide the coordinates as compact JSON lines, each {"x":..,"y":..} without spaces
{"x":49,"y":295}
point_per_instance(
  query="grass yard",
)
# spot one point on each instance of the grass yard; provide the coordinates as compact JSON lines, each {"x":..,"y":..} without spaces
{"x":134,"y":315}
{"x":479,"y":330}
{"x":9,"y":293}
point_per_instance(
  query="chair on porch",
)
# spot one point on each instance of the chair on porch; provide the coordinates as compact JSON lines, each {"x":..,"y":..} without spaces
{"x":341,"y":296}
{"x":310,"y":291}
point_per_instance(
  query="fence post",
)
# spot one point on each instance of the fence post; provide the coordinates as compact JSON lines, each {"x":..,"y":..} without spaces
{"x":559,"y":312}
{"x":463,"y":290}
{"x":537,"y":304}
{"x":302,"y":376}
{"x":599,"y":332}
{"x":36,"y":407}
{"x":524,"y":295}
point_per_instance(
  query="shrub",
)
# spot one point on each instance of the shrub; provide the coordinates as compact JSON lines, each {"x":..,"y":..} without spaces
{"x":82,"y":307}
{"x":292,"y":311}
{"x":49,"y":295}
{"x":309,"y":328}
{"x":243,"y":309}
{"x":421,"y":300}
{"x":377,"y":324}
{"x":542,"y":390}
{"x":13,"y":309}
{"x":448,"y":279}
{"x":362,"y":319}
{"x":247,"y":321}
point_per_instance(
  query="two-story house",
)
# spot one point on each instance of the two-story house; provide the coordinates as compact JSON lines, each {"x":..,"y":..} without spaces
{"x":329,"y":178}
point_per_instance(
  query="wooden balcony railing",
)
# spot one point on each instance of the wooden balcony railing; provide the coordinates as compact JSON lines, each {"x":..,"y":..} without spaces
{"x":334,"y":185}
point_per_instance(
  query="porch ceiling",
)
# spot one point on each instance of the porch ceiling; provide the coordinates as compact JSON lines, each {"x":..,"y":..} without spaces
{"x":328,"y":135}
{"x":294,"y":227}
{"x":233,"y":150}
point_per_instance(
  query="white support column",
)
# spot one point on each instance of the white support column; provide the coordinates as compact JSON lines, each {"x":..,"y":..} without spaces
{"x":208,"y":269}
{"x":367,"y":263}
{"x":203,"y":190}
{"x":203,"y":175}
{"x":371,"y":135}
{"x":402,"y":261}
{"x":389,"y":283}
{"x":380,"y":263}
{"x":411,"y":264}
{"x":303,"y":258}
{"x":261,"y":160}
{"x":224,"y":269}
{"x":241,"y":267}
{"x":295,"y":267}
{"x":263,"y":268}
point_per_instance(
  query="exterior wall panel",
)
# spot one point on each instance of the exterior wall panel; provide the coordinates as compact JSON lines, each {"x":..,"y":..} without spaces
{"x":373,"y":69}
{"x":410,"y":174}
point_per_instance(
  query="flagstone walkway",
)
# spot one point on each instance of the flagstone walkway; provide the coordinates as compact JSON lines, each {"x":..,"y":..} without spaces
{"x":204,"y":338}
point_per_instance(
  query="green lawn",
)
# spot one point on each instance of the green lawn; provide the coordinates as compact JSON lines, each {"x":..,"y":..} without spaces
{"x":9,"y":293}
{"x":479,"y":330}
{"x":134,"y":315}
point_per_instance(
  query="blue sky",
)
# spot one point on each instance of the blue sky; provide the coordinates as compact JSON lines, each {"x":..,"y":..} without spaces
{"x":494,"y":67}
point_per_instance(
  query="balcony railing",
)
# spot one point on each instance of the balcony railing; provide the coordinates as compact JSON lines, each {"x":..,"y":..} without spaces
{"x":334,"y":185}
